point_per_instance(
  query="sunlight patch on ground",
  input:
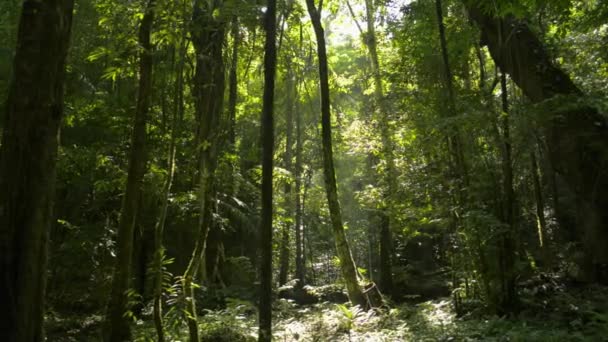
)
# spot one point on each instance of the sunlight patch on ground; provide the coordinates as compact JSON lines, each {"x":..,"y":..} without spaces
{"x":438,"y":313}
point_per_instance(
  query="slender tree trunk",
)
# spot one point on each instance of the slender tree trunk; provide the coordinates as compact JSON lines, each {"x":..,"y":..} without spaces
{"x":456,"y":161}
{"x":454,"y":139}
{"x":117,"y":326}
{"x":267,"y":121}
{"x":577,"y":136}
{"x":233,"y":83}
{"x":208,"y":91}
{"x":507,"y":298}
{"x":540,"y":210}
{"x":300,"y":265}
{"x":27,"y":165}
{"x":386,"y":275}
{"x":347,"y":263}
{"x":386,"y":264}
{"x":284,"y":256}
{"x":377,"y":217}
{"x":306,"y":244}
{"x":160,"y":224}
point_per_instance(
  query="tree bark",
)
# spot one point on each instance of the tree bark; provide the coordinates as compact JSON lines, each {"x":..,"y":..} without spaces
{"x":347,"y":263}
{"x":159,"y":250}
{"x":208,"y":92}
{"x":233,"y":83}
{"x":284,"y":256}
{"x":300,"y":265}
{"x":577,"y":135}
{"x":454,"y":139}
{"x":540,"y":210}
{"x":386,"y":275}
{"x":507,"y":297}
{"x":267,"y":136}
{"x":27,"y":165}
{"x":117,"y":326}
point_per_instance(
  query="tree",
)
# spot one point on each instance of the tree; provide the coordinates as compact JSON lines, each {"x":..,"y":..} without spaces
{"x":371,"y":41}
{"x":507,"y":300}
{"x":159,"y":250}
{"x":576,"y":136}
{"x":267,"y":136}
{"x":117,"y":326}
{"x":347,"y":264}
{"x":28,"y":163}
{"x":385,"y":216}
{"x":300,"y":259}
{"x":208,"y":92}
{"x":289,"y":108}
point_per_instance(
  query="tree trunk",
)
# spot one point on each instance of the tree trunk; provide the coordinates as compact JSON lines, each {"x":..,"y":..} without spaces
{"x":306,"y":243}
{"x":233,"y":83}
{"x":347,"y":264}
{"x":117,"y":326}
{"x":159,"y":250}
{"x":27,"y":165}
{"x":540,"y":212}
{"x":456,"y":161}
{"x":577,"y":135}
{"x":386,"y":264}
{"x":507,"y":297}
{"x":284,"y":256}
{"x":300,"y":264}
{"x":208,"y":92}
{"x":267,"y":131}
{"x":454,"y":139}
{"x":386,"y":275}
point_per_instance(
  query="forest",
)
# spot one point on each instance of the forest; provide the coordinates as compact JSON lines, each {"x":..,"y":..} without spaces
{"x":303,"y":170}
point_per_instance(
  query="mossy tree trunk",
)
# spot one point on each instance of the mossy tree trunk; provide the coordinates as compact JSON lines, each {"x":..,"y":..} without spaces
{"x":389,"y":176}
{"x":28,"y":163}
{"x":347,"y":263}
{"x":208,"y":92}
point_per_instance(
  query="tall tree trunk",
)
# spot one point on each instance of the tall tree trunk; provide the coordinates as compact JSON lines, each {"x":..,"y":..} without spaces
{"x":27,"y":165}
{"x":347,"y":263}
{"x":386,"y":275}
{"x":376,"y":217}
{"x":540,"y":210}
{"x":300,"y":259}
{"x":454,"y":139}
{"x":208,"y":92}
{"x":306,"y":243}
{"x":507,"y":298}
{"x":267,"y":132}
{"x":577,"y":136}
{"x":117,"y":327}
{"x":284,"y":256}
{"x":456,"y":162}
{"x":178,"y":108}
{"x":233,"y":83}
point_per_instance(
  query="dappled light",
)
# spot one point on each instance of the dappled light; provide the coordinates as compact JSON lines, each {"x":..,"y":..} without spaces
{"x":308,"y":170}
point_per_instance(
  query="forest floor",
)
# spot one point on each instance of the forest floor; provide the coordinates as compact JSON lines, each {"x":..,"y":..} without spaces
{"x":578,"y":314}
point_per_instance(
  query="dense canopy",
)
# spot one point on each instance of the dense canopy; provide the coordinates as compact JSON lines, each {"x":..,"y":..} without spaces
{"x":338,"y":170}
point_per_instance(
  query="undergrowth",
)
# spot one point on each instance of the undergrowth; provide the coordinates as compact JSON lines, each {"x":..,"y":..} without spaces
{"x":574,"y":315}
